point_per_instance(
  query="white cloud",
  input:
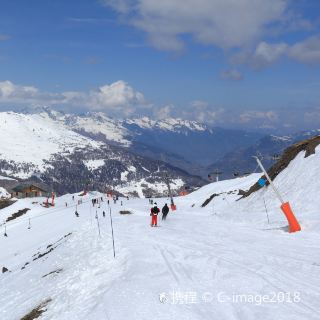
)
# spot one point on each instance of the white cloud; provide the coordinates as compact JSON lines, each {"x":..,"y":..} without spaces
{"x":117,"y":94}
{"x":10,"y":91}
{"x":223,"y":23}
{"x":121,"y":6}
{"x":307,"y":51}
{"x":202,"y":111}
{"x":231,"y":74}
{"x":266,"y":54}
{"x":250,"y":116}
{"x":164,"y":112}
{"x":120,"y":100}
{"x":117,"y":98}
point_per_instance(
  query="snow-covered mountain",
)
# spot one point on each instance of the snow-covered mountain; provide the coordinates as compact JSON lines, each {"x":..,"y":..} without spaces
{"x":101,"y":126}
{"x":47,"y":146}
{"x":29,"y":142}
{"x":230,"y":259}
{"x":169,"y":124}
{"x":239,"y":161}
{"x":186,"y":144}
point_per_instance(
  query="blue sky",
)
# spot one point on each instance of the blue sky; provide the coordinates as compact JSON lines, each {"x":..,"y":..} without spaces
{"x":251,"y":63}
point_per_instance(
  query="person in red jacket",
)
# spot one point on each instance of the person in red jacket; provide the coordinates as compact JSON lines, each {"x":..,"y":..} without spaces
{"x":154,"y":215}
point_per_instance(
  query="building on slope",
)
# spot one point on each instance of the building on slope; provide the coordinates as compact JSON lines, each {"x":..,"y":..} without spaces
{"x":28,"y":190}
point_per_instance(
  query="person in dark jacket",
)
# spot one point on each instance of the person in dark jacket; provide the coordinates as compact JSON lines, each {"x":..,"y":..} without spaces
{"x":165,"y":211}
{"x":154,"y":215}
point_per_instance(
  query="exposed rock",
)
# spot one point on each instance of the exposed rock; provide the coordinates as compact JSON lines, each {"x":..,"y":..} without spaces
{"x":4,"y":269}
{"x":37,"y":311}
{"x":289,"y":154}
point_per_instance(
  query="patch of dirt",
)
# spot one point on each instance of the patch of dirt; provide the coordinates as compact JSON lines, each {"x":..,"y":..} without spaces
{"x":288,"y":155}
{"x":52,"y":272}
{"x":4,"y":269}
{"x":125,"y":212}
{"x":216,"y":195}
{"x":40,"y":255}
{"x":25,"y":265}
{"x":6,"y":203}
{"x":209,"y":199}
{"x":50,"y":248}
{"x":17,"y":214}
{"x":37,"y":311}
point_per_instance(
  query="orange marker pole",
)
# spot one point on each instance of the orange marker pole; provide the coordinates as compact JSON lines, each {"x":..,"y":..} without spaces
{"x":285,"y":206}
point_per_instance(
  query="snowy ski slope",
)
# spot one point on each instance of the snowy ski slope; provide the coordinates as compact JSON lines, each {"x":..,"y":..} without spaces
{"x":216,"y":262}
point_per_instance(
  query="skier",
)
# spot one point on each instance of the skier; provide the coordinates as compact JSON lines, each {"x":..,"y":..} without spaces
{"x":103,"y":214}
{"x":165,"y":211}
{"x":154,"y":214}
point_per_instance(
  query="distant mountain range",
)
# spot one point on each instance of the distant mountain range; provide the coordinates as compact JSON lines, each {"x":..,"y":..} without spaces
{"x":189,"y":145}
{"x":240,"y":161}
{"x":133,"y":156}
{"x":46,"y":146}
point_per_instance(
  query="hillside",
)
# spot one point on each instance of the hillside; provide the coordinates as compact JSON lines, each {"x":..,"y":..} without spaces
{"x":211,"y":262}
{"x":189,"y":145}
{"x":41,"y":146}
{"x":268,"y":148}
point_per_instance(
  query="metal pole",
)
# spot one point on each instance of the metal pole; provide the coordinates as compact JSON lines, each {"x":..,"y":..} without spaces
{"x":114,"y":251}
{"x":98,"y":223}
{"x":269,"y":179}
{"x":169,"y":189}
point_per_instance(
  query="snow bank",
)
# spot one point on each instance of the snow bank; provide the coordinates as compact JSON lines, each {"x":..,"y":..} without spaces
{"x":4,"y":193}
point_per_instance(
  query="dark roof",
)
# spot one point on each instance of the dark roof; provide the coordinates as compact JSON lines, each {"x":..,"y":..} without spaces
{"x":20,"y":187}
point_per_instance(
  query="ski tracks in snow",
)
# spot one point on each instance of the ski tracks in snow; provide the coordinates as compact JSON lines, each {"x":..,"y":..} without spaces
{"x":86,"y":271}
{"x":219,"y":259}
{"x":78,"y":293}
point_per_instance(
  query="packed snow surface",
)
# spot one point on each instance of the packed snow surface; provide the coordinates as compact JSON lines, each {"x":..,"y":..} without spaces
{"x":228,"y":260}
